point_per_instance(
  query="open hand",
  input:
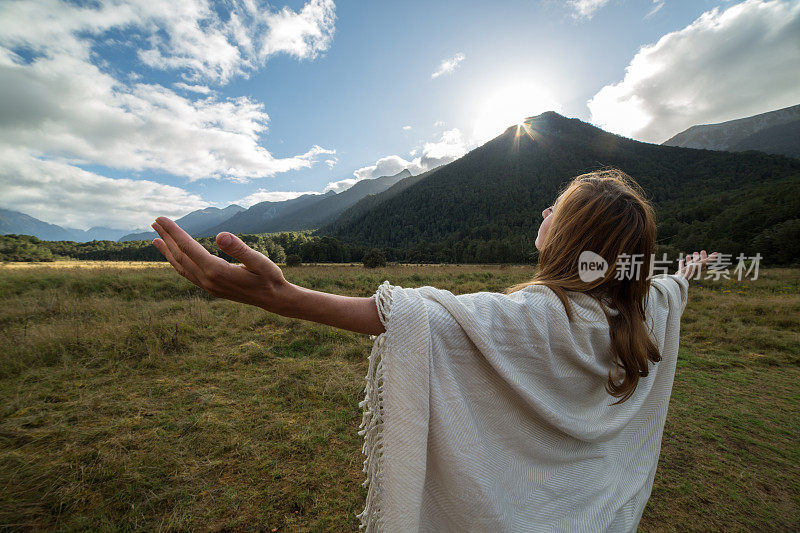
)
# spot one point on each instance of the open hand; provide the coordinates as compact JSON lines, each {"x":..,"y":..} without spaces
{"x":256,"y":281}
{"x":693,"y":264}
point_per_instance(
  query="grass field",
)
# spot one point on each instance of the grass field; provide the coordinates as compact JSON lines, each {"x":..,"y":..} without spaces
{"x":131,"y":400}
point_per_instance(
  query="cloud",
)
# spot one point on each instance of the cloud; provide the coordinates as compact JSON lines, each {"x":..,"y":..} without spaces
{"x":448,"y":65}
{"x":198,"y":40}
{"x":331,"y":162}
{"x":725,"y":65}
{"x":658,"y":4}
{"x":303,"y":35}
{"x":262,"y":195}
{"x":189,"y":36}
{"x":439,"y":124}
{"x":201,"y":89}
{"x":586,"y":8}
{"x":63,"y":194}
{"x":57,"y":102}
{"x":406,"y":128}
{"x":341,"y":185}
{"x":451,"y":146}
{"x":387,"y":166}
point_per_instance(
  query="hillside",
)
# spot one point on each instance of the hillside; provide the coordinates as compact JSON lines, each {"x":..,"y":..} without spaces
{"x":372,"y":200}
{"x":309,"y":215}
{"x":328,"y":208}
{"x":495,"y":194}
{"x":775,"y":132}
{"x":783,"y":139}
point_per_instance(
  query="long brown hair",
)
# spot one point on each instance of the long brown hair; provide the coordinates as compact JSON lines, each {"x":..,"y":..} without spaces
{"x":605,"y":212}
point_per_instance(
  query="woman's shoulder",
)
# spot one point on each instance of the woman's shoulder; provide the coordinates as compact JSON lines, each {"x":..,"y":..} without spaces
{"x":671,"y":290}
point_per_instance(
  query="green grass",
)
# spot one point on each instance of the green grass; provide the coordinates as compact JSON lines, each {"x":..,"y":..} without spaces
{"x":131,"y":400}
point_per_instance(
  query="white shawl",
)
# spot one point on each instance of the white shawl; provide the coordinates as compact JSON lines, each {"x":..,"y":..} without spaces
{"x":487,"y":412}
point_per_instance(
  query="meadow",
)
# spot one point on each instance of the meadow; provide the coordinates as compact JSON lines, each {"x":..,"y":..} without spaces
{"x":131,"y":400}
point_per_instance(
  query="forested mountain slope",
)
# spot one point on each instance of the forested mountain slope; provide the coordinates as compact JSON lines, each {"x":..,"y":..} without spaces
{"x":495,"y":193}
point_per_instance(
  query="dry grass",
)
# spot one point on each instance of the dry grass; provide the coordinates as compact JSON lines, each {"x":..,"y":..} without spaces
{"x":130,"y":400}
{"x":84,"y":264}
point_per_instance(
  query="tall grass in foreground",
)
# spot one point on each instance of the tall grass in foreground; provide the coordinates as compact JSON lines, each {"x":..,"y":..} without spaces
{"x":131,"y":400}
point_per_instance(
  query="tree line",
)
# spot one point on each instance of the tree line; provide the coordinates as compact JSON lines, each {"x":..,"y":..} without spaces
{"x":310,"y":249}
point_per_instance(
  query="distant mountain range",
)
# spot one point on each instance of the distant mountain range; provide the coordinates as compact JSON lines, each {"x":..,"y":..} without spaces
{"x":308,"y":211}
{"x":261,"y":216}
{"x":304,"y":212}
{"x":194,"y":223}
{"x":22,"y":224}
{"x":776,"y":132}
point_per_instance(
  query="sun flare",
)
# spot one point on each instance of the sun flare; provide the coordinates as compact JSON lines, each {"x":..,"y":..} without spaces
{"x":509,"y":106}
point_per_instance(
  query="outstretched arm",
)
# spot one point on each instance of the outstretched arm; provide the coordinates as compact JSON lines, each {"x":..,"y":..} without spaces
{"x":259,"y":281}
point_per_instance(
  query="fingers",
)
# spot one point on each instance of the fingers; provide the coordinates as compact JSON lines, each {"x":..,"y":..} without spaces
{"x":187,"y":245}
{"x":180,"y":261}
{"x":693,"y":264}
{"x":235,"y":247}
{"x":164,"y":249}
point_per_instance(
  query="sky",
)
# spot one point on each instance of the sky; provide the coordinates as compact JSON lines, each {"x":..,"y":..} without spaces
{"x":115,"y":112}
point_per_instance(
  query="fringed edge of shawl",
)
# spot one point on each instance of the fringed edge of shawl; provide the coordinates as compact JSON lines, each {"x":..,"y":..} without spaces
{"x":372,"y":420}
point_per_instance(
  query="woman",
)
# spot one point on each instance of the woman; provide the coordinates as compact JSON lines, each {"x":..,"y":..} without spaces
{"x":491,"y":412}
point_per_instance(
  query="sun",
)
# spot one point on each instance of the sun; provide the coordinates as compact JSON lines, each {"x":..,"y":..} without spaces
{"x":510,"y":105}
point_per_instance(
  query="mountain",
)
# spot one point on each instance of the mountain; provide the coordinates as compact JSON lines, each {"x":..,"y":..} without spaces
{"x":372,"y":200}
{"x":495,"y":194}
{"x":102,"y":233}
{"x":270,"y":217}
{"x":194,"y":223}
{"x":776,"y":132}
{"x":783,"y":139}
{"x":258,"y":217}
{"x":328,"y":208}
{"x":14,"y":222}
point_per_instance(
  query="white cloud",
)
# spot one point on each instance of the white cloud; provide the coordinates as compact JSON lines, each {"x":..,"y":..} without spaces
{"x":448,"y":65}
{"x":193,"y":39}
{"x":451,"y":146}
{"x":658,"y":4}
{"x":185,"y":35}
{"x":200,"y":89}
{"x":63,"y":194}
{"x":341,"y":185}
{"x":68,"y":108}
{"x":331,"y":162}
{"x":725,"y":65}
{"x":439,"y":124}
{"x":262,"y":195}
{"x":388,"y":166}
{"x":196,"y":39}
{"x":59,"y":104}
{"x":406,"y":128}
{"x":586,"y":8}
{"x":304,"y":34}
